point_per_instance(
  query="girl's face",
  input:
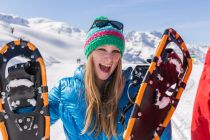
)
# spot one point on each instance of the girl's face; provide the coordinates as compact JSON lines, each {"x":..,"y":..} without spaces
{"x":105,"y":60}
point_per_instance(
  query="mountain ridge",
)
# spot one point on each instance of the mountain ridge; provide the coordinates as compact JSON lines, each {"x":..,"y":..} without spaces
{"x":139,"y":45}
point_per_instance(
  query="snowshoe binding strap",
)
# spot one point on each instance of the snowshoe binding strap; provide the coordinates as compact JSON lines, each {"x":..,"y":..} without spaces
{"x":137,"y":77}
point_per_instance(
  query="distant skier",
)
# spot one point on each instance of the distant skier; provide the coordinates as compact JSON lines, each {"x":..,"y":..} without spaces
{"x":12,"y":30}
{"x":200,"y":128}
{"x":78,"y":60}
{"x":90,"y":102}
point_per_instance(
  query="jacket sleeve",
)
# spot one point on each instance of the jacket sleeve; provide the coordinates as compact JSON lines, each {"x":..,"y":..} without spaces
{"x":167,"y":133}
{"x":54,"y":102}
{"x":64,"y":103}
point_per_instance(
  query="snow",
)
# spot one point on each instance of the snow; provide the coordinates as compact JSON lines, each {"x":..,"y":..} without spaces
{"x":62,"y":44}
{"x":181,"y":120}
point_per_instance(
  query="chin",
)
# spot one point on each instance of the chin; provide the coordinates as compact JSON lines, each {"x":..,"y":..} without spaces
{"x":103,"y":78}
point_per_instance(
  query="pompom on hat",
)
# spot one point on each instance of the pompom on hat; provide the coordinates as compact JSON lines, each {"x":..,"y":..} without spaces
{"x":107,"y":35}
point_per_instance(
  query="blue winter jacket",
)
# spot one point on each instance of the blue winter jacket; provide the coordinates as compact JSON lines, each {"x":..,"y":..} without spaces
{"x":67,"y":102}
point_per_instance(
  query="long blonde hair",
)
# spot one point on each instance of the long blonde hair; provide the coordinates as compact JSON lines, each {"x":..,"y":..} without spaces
{"x":102,"y":111}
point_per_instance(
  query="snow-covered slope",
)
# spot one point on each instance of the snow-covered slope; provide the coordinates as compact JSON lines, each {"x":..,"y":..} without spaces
{"x":61,"y":44}
{"x":47,"y":25}
{"x":55,"y":44}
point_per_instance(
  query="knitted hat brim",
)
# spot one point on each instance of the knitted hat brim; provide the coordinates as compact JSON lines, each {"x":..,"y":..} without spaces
{"x":104,"y":40}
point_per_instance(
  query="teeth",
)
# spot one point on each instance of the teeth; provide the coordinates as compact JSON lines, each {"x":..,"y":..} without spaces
{"x":106,"y":65}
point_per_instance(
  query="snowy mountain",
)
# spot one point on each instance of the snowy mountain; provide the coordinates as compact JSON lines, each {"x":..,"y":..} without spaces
{"x":12,"y":19}
{"x":46,"y":33}
{"x":61,"y":44}
{"x":47,"y":25}
{"x":51,"y":37}
{"x":140,"y":45}
{"x":42,"y":24}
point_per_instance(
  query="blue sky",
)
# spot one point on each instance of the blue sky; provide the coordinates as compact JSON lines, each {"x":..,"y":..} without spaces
{"x":190,"y":18}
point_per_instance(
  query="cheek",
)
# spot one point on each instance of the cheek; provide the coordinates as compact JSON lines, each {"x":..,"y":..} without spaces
{"x":95,"y":60}
{"x":115,"y":62}
{"x":116,"y":59}
{"x":94,"y":63}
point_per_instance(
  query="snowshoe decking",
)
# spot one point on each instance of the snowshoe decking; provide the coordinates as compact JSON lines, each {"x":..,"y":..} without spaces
{"x":24,"y":111}
{"x":160,"y":90}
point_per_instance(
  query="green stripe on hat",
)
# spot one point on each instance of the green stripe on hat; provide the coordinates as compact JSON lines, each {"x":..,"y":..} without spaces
{"x":104,"y":40}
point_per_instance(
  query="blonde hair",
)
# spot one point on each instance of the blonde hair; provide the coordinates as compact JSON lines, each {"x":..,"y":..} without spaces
{"x":102,"y":111}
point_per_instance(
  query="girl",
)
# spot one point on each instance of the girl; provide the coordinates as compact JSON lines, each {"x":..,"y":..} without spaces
{"x":90,"y":102}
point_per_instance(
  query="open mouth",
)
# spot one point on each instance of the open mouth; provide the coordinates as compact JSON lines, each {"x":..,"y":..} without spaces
{"x":104,"y":68}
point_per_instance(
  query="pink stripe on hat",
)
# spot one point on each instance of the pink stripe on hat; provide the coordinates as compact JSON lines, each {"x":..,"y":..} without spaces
{"x":102,"y":33}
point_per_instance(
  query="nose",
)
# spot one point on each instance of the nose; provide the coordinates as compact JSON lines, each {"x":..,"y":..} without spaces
{"x":108,"y":57}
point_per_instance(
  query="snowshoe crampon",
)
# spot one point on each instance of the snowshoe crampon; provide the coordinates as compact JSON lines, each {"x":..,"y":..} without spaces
{"x":160,"y":90}
{"x":24,"y":113}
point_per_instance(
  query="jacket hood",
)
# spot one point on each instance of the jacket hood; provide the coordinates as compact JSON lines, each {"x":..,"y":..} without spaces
{"x":79,"y":73}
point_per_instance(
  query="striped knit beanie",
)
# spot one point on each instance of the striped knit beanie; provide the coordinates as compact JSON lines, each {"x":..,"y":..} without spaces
{"x":107,"y":35}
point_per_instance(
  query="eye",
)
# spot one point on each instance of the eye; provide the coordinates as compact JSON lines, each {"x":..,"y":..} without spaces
{"x":116,"y":51}
{"x":101,"y":49}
